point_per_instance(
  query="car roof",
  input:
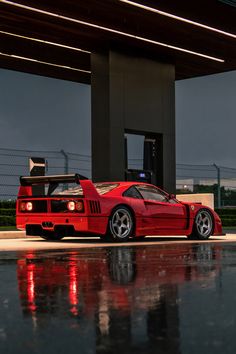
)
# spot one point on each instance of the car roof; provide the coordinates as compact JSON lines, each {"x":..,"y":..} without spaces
{"x":124,"y":183}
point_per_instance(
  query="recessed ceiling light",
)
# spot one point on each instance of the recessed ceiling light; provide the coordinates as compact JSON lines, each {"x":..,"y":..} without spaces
{"x":124,"y":34}
{"x":43,"y":62}
{"x":183,"y":19}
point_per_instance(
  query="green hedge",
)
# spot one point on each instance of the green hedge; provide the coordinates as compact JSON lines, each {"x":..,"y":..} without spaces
{"x":8,"y":212}
{"x":229,"y":222}
{"x":228,"y":216}
{"x":5,"y":204}
{"x":229,"y":211}
{"x":7,"y":220}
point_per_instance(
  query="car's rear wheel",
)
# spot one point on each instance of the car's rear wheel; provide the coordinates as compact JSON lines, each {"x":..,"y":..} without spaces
{"x":121,"y":224}
{"x":203,"y":225}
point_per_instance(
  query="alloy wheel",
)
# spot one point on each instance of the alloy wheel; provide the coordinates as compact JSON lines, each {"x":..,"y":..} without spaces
{"x":204,"y":223}
{"x":121,"y":223}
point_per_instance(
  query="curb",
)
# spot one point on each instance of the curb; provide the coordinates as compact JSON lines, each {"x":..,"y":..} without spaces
{"x":12,"y":234}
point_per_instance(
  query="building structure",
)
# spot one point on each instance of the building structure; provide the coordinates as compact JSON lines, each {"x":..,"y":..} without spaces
{"x":131,"y":53}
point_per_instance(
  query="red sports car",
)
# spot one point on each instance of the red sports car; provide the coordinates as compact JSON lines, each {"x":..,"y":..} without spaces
{"x":68,"y":205}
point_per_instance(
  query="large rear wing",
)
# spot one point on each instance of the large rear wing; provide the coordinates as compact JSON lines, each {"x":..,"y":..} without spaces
{"x":27,"y":182}
{"x":31,"y":180}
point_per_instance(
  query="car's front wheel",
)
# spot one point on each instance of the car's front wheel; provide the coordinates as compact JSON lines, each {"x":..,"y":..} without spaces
{"x":203,"y":225}
{"x":121,"y":224}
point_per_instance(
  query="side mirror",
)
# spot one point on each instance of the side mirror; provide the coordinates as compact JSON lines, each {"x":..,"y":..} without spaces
{"x":172,"y":196}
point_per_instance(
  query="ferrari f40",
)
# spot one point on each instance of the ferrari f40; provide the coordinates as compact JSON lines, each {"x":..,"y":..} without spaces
{"x":57,"y":206}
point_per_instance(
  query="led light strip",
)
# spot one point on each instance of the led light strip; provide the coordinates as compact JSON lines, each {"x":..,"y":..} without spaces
{"x":45,"y":42}
{"x":111,"y":30}
{"x":167,"y":14}
{"x":43,"y":62}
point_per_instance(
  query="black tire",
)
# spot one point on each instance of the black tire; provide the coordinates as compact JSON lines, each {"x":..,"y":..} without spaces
{"x":120,"y":224}
{"x":51,"y":236}
{"x":203,"y":225}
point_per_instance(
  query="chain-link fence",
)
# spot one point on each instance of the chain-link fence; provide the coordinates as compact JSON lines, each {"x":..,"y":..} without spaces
{"x":190,"y":178}
{"x":208,"y":179}
{"x":15,"y":163}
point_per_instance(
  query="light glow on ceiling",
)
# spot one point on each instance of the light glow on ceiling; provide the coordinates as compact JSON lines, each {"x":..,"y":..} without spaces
{"x":167,"y":14}
{"x":43,"y":62}
{"x":45,"y":42}
{"x":124,"y":34}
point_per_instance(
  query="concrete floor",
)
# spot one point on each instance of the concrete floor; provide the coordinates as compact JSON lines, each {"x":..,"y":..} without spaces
{"x":85,"y":296}
{"x":37,"y":243}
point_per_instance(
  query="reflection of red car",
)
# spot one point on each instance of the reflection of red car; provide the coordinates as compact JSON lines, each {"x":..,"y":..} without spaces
{"x":113,"y":297}
{"x":118,"y":210}
{"x":122,"y":277}
{"x":118,"y":278}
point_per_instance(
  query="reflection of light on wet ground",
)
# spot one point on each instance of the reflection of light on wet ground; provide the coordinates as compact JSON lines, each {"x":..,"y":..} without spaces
{"x":144,"y":299}
{"x":73,"y":287}
{"x":30,"y":288}
{"x":103,"y":313}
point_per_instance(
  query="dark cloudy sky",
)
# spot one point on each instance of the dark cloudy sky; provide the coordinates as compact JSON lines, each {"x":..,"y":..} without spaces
{"x":206,"y":119}
{"x":48,"y":114}
{"x":43,"y":113}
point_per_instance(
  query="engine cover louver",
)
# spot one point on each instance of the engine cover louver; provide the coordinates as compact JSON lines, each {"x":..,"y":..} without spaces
{"x":94,"y":207}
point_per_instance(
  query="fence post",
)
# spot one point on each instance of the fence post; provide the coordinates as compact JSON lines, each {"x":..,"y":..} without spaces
{"x":218,"y":185}
{"x":66,"y":161}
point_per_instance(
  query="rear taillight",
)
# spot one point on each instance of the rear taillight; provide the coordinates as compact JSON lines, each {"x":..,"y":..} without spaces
{"x":22,"y":206}
{"x":75,"y":206}
{"x":29,"y":206}
{"x":80,"y":207}
{"x":26,"y":206}
{"x":71,"y":206}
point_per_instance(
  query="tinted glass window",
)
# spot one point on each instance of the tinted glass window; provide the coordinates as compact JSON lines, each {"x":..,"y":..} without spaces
{"x":102,"y":188}
{"x":73,"y":189}
{"x":132,"y":193}
{"x":152,"y":193}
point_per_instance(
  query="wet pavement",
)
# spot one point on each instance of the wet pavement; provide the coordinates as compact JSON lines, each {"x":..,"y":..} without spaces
{"x":37,"y":243}
{"x":172,"y":298}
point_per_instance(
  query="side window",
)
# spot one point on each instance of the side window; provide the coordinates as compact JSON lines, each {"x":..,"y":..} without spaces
{"x":152,"y":193}
{"x":132,"y":193}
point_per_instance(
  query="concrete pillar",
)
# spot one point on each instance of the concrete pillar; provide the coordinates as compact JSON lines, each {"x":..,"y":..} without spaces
{"x":131,"y":94}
